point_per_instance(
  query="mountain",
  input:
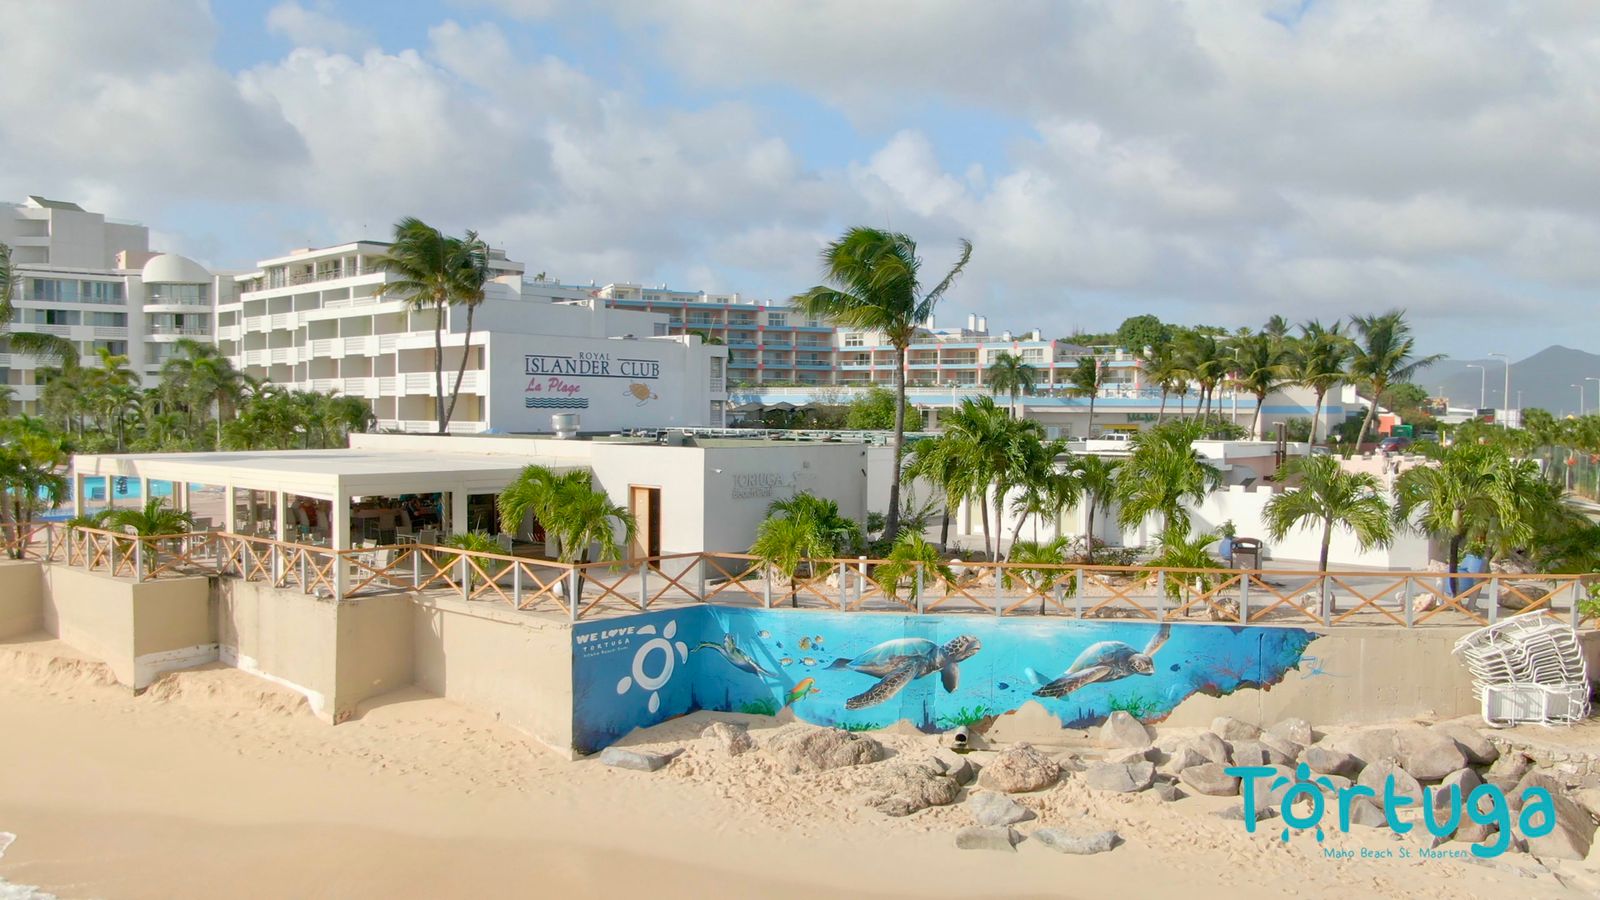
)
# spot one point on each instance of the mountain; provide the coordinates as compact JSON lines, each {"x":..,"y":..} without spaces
{"x":1544,"y":379}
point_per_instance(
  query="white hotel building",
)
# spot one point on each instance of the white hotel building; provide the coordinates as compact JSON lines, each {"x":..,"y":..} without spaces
{"x":312,"y":320}
{"x":94,"y":281}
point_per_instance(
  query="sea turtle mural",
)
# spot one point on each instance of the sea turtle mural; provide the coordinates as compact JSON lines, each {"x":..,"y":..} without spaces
{"x":729,"y":650}
{"x":899,"y":662}
{"x":1106,"y":661}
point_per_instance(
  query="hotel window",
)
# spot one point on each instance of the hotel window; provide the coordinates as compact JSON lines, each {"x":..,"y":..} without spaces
{"x":108,"y":320}
{"x":54,"y":290}
{"x":1035,"y":354}
{"x":855,"y":340}
{"x":51,"y":316}
{"x":777,"y":320}
{"x":100,"y":292}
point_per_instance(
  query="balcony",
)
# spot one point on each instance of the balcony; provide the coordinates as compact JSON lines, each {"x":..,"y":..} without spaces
{"x":183,"y":331}
{"x":472,"y":382}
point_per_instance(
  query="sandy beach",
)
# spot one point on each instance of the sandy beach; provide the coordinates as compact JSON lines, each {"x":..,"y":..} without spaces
{"x":217,"y":784}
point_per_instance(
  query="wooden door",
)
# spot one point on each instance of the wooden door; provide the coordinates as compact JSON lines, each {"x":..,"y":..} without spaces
{"x":645,"y":504}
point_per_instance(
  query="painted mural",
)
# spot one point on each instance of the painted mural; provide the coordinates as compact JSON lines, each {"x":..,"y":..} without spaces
{"x":867,"y":671}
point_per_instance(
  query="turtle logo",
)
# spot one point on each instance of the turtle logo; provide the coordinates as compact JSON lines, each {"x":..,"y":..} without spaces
{"x":1303,"y":785}
{"x":666,"y":646}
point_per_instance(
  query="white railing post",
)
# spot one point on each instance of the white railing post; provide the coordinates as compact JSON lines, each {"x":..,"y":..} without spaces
{"x":861,"y":580}
{"x":1161,"y":593}
{"x":466,"y":577}
{"x":700,"y":578}
{"x":1326,"y":596}
{"x":1077,"y":598}
{"x":49,"y":542}
{"x":1494,"y":598}
{"x":138,"y":560}
{"x":1575,"y":616}
{"x":302,"y":557}
{"x":644,"y":585}
{"x":917,"y":586}
{"x":516,"y":585}
{"x":1244,"y":597}
{"x":572,"y":591}
{"x":416,"y":565}
{"x":1410,"y":607}
{"x":766,"y":586}
{"x":999,"y":600}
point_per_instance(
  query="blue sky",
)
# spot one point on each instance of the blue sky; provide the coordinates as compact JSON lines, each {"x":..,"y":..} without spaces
{"x":1207,"y":162}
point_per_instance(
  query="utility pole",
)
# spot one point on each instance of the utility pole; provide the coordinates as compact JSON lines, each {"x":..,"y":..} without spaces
{"x":1506,"y":397}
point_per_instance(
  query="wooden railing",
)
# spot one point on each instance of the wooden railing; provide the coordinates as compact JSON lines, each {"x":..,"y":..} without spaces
{"x":580,"y":590}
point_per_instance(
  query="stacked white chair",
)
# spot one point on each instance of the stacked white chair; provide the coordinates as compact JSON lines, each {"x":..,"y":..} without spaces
{"x":1527,"y":668}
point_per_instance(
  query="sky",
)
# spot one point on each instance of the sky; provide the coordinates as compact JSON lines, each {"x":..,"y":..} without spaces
{"x":1209,"y":161}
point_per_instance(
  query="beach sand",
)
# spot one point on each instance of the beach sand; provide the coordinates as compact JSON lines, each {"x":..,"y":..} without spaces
{"x":218,"y":784}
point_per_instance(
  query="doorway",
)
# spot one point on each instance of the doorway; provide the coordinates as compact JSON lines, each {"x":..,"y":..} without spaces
{"x":645,"y":504}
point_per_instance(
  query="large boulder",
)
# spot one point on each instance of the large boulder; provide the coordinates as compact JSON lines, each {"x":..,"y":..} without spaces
{"x":1230,"y":729}
{"x":1328,"y":761}
{"x":1129,"y":756}
{"x":1167,"y":791}
{"x":1366,"y":812}
{"x":1465,"y":781}
{"x":1121,"y":778}
{"x":992,"y":810}
{"x":803,"y":749}
{"x":1376,"y":774}
{"x":952,"y":764}
{"x":1081,"y":844}
{"x":901,"y":789}
{"x":974,"y":837}
{"x":1506,"y":771}
{"x":1367,"y":745}
{"x":1296,"y":730}
{"x":1533,"y":778}
{"x":1210,"y":779}
{"x":1589,"y":799}
{"x":732,"y":739}
{"x":1019,"y":768}
{"x":1122,"y":730}
{"x":1429,"y":755}
{"x":1283,"y":750}
{"x":1213,"y":748}
{"x":1257,"y":753}
{"x":1573,"y":834}
{"x":637,"y":760}
{"x":1183,"y":757}
{"x":1479,"y":750}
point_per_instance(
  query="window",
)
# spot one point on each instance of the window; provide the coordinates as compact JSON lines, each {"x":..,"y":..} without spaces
{"x":54,"y":290}
{"x":855,"y":339}
{"x":194,"y":294}
{"x":1033,"y":354}
{"x":777,"y":320}
{"x":100,"y":292}
{"x":108,"y":319}
{"x":51,"y":316}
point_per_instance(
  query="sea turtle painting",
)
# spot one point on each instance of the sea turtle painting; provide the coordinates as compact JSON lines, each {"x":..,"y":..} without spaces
{"x":729,"y":650}
{"x":899,"y":662}
{"x":1106,"y":661}
{"x":639,"y":392}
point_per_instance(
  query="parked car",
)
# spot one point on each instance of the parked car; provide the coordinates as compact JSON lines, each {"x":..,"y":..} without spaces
{"x":1394,"y":445}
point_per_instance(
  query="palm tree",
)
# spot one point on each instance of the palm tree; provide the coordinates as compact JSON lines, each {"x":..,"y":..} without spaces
{"x":154,"y":519}
{"x":471,"y":278}
{"x":538,"y":491}
{"x":911,"y":551}
{"x":33,"y":457}
{"x":1043,"y":490}
{"x":1008,"y":374}
{"x":1161,"y":367}
{"x":432,"y":272}
{"x":1260,"y":363}
{"x":584,"y":518}
{"x":1084,"y":381}
{"x":1038,"y":565}
{"x":1277,"y":327}
{"x":944,"y":461}
{"x":1385,"y":355}
{"x":1319,"y":359}
{"x":782,"y":543}
{"x":841,"y":533}
{"x":1179,"y":550}
{"x":1161,"y":474}
{"x":872,"y":285}
{"x":1469,"y":491}
{"x":1328,"y":497}
{"x":1097,"y":480}
{"x":995,"y":450}
{"x":1205,"y":360}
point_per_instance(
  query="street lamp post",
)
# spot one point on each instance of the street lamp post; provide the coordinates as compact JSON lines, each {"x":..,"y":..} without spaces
{"x":1580,"y":396}
{"x":1596,"y":388}
{"x":1506,"y":397}
{"x":1483,"y":383}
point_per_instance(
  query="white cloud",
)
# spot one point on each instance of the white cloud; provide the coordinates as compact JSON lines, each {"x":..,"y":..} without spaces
{"x":314,"y":27}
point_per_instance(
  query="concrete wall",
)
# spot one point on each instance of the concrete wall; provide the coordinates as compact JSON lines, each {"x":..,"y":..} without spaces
{"x":21,"y":598}
{"x":139,"y":630}
{"x":514,"y":665}
{"x":336,"y":654}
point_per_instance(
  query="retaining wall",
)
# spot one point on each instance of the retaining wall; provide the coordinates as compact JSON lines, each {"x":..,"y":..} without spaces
{"x":139,"y":630}
{"x":21,"y":597}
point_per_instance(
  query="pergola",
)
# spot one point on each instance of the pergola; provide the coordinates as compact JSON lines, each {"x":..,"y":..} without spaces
{"x":335,"y":476}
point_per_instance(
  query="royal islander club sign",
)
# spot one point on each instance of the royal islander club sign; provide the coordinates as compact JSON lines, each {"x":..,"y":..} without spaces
{"x":557,"y":382}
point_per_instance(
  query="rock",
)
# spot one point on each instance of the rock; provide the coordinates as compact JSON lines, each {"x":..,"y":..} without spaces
{"x":1129,"y":756}
{"x":1573,"y":835}
{"x":1508,"y":770}
{"x":1281,"y":751}
{"x":1209,"y":778}
{"x":1429,"y":755}
{"x":952,"y":764}
{"x":1376,"y":774}
{"x":1515,"y":796}
{"x":1183,"y":757}
{"x":1328,"y":761}
{"x":1274,"y":795}
{"x":1365,"y":812}
{"x":1479,"y":751}
{"x":732,"y":739}
{"x":1167,"y":791}
{"x":1019,"y":768}
{"x":1123,"y":730}
{"x":1464,"y":780}
{"x":1589,"y":799}
{"x":1236,"y":813}
{"x":637,"y":760}
{"x":1230,"y":729}
{"x":976,"y":838}
{"x":801,"y":749}
{"x":1294,"y":730}
{"x":1473,"y":832}
{"x":904,"y":788}
{"x":1367,"y":745}
{"x":1211,"y":747}
{"x":1121,"y":778}
{"x":991,"y":810}
{"x":1255,"y":753}
{"x":1338,"y":782}
{"x":1081,"y":844}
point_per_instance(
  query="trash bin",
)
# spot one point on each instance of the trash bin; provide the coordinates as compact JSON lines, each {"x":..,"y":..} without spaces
{"x":1246,"y":553}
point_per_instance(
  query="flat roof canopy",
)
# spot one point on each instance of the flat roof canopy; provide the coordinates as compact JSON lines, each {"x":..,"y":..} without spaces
{"x":326,"y":474}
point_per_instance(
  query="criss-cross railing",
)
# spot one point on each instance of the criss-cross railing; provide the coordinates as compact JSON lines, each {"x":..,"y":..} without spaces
{"x":585,"y":589}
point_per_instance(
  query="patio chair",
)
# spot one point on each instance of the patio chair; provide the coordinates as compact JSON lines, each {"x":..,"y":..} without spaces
{"x":505,"y":541}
